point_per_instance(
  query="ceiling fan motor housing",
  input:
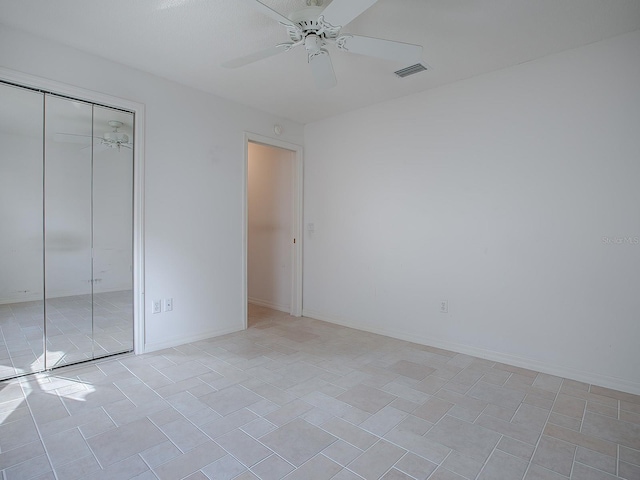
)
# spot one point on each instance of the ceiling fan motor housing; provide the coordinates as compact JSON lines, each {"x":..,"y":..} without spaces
{"x":116,"y":137}
{"x":309,"y":21}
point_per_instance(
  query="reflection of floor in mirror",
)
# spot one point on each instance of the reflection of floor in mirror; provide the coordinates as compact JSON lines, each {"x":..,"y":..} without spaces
{"x":72,"y":336}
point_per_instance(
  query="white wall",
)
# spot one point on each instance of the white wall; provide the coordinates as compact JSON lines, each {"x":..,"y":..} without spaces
{"x":495,"y":193}
{"x":193,"y":185}
{"x":270,"y":226}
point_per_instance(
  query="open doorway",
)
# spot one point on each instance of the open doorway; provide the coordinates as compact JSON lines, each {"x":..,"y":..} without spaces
{"x":273,"y":222}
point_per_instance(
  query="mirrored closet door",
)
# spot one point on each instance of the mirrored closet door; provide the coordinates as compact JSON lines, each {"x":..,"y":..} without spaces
{"x":21,"y":231}
{"x":66,"y":213}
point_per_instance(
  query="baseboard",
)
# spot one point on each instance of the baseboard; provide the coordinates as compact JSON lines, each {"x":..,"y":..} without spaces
{"x":530,"y":364}
{"x":60,"y":294}
{"x":273,"y":306}
{"x":177,"y":341}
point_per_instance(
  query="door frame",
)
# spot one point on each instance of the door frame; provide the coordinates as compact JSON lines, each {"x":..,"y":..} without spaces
{"x":63,"y":89}
{"x":295,"y":309}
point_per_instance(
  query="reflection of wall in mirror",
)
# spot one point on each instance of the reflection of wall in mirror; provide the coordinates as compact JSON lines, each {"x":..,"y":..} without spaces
{"x":20,"y":218}
{"x":68,"y":225}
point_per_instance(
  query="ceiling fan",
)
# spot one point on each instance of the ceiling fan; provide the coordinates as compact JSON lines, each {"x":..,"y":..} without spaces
{"x":113,"y":139}
{"x":315,"y":27}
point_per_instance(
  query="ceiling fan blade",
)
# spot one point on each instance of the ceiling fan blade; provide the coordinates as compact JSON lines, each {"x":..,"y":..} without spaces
{"x":71,"y":138}
{"x":270,"y":12}
{"x":405,"y":53}
{"x":322,"y":70}
{"x":340,"y":12}
{"x":96,"y":147}
{"x":254,"y":57}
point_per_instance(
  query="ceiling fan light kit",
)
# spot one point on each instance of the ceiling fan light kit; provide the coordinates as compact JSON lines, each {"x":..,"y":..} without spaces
{"x":316,"y":27}
{"x":115,"y":139}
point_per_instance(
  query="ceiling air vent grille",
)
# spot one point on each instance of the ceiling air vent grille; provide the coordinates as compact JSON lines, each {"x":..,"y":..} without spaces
{"x":405,"y":72}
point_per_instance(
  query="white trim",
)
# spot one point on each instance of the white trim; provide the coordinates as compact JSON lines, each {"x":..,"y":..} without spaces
{"x":176,"y":341}
{"x":296,"y":264}
{"x":32,"y":81}
{"x":528,"y":363}
{"x":273,"y":306}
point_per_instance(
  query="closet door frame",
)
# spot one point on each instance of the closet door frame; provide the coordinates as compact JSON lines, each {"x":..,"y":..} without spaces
{"x":62,"y":89}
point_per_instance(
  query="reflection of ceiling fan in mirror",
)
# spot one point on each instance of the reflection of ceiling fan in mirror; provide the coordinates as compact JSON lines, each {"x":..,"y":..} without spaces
{"x":113,"y":139}
{"x":314,"y":27}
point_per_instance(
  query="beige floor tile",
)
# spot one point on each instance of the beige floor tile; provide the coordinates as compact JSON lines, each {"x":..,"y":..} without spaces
{"x":583,"y":472}
{"x":416,"y":466}
{"x":581,"y":439}
{"x":272,"y":468}
{"x":230,"y":399}
{"x":395,"y":474}
{"x":431,"y":450}
{"x":462,"y":465}
{"x":433,"y":409}
{"x":223,"y":425}
{"x":21,"y":454}
{"x":18,"y":433}
{"x":159,"y":454}
{"x":298,"y":441}
{"x":629,"y":455}
{"x":566,"y":422}
{"x":596,"y":460}
{"x":319,"y":468}
{"x":496,"y":395}
{"x":183,"y":434}
{"x":472,"y":440}
{"x":321,"y":394}
{"x":607,"y":392}
{"x":383,"y":420}
{"x":245,"y":448}
{"x":126,"y":469}
{"x":246,"y":476}
{"x":554,"y":454}
{"x":81,"y":467}
{"x":377,"y":460}
{"x":190,"y":462}
{"x":516,"y":448}
{"x":29,"y":469}
{"x":628,"y":470}
{"x":537,"y":472}
{"x":342,"y":452}
{"x":290,"y":411}
{"x":117,"y":444}
{"x":67,"y":446}
{"x":352,"y":434}
{"x":366,"y":398}
{"x":503,"y":466}
{"x":411,"y":369}
{"x":513,"y":430}
{"x":224,"y":468}
{"x":444,"y":474}
{"x":569,"y":406}
{"x":617,"y":431}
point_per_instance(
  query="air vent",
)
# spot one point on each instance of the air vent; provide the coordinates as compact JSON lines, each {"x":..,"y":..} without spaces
{"x":405,"y":72}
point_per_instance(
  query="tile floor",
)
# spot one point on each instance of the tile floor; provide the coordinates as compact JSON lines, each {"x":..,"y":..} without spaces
{"x":302,"y":399}
{"x":79,"y":328}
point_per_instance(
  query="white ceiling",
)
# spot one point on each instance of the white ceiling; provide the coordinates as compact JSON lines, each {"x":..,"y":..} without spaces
{"x":187,"y":40}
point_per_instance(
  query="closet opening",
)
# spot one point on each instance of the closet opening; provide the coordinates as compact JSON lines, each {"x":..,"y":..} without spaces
{"x":70,"y":243}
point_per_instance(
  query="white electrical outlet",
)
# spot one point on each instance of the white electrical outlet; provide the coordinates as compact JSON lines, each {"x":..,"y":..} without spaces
{"x":444,"y":306}
{"x":168,"y":304}
{"x":156,"y":306}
